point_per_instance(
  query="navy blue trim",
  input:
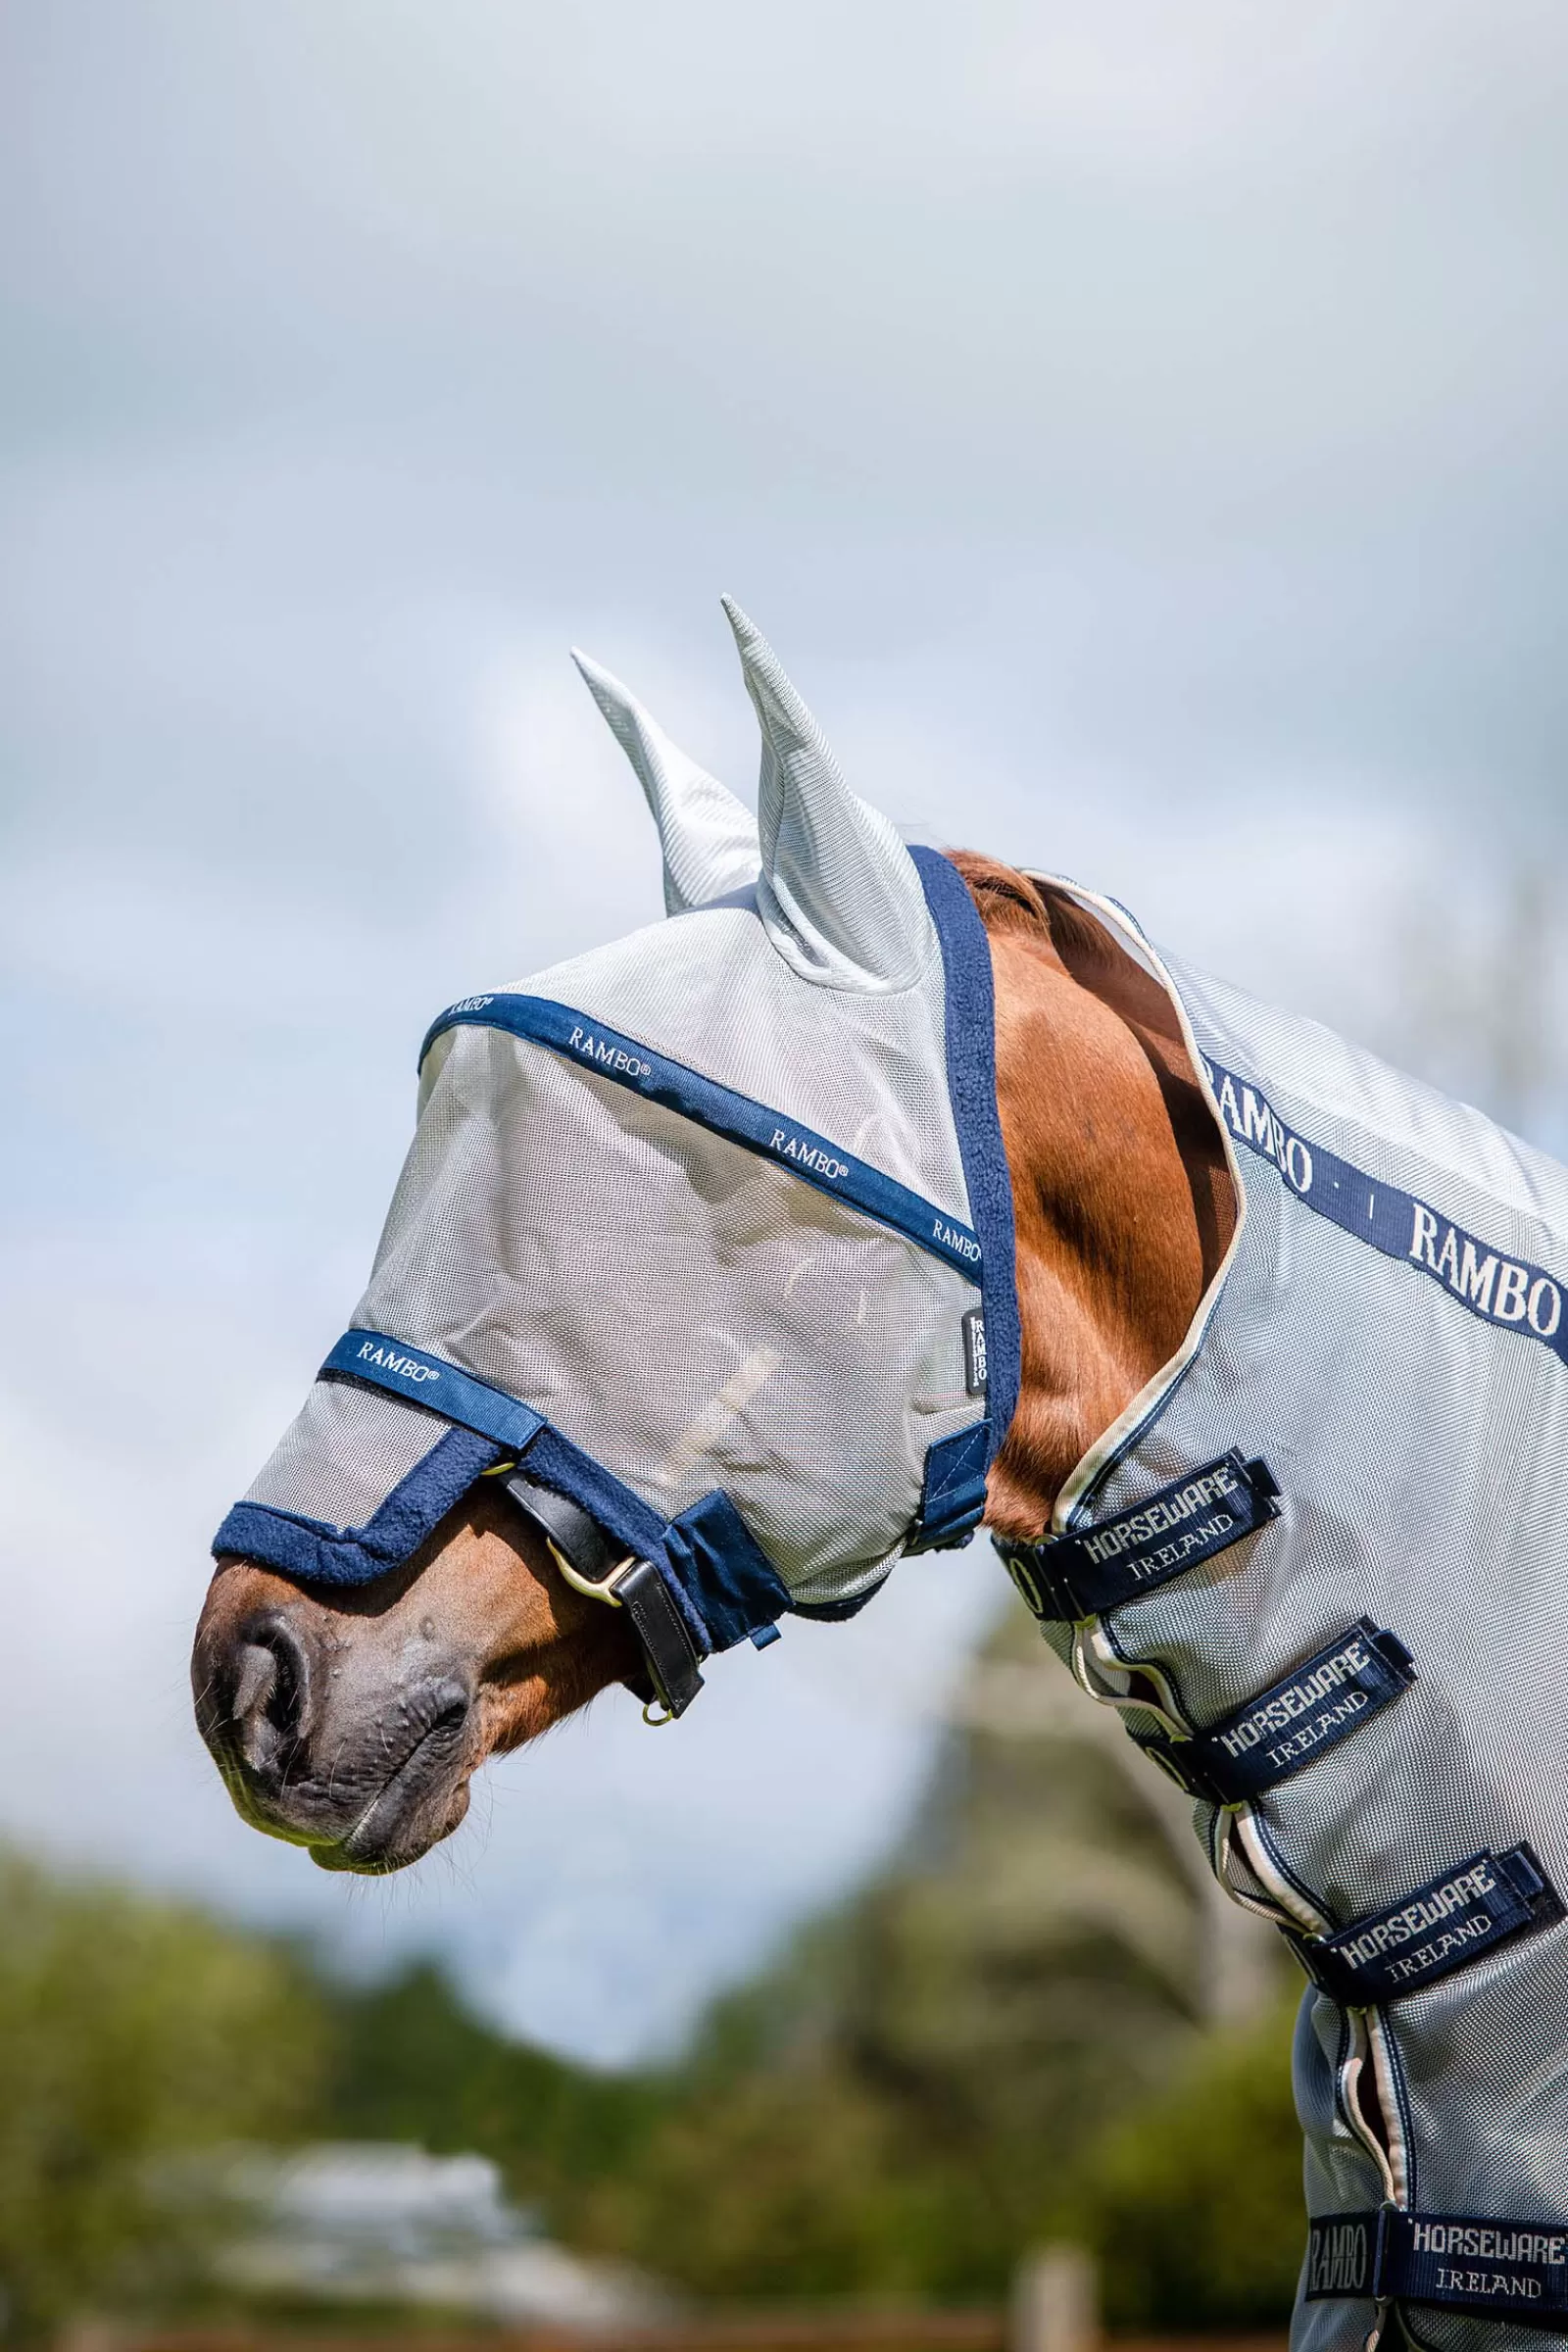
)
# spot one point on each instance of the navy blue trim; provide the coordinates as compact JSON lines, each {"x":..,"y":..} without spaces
{"x":952,"y":1496}
{"x":971,"y":1033}
{"x":443,"y":1388}
{"x":725,"y":1572}
{"x":838,"y":1613}
{"x":740,"y":1119}
{"x":320,"y":1554}
{"x":1510,"y":1294}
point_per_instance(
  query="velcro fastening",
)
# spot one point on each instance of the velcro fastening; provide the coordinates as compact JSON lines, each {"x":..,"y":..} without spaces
{"x":1136,"y":1550}
{"x":1517,"y":2270}
{"x":1441,"y":1927}
{"x":1286,"y":1726}
{"x":952,"y":1497}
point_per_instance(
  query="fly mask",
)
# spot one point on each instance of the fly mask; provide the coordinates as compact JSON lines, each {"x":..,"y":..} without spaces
{"x":705,"y":1239}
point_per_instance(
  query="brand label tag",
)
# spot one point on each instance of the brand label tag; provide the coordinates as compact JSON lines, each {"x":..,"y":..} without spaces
{"x":1340,"y":2256}
{"x":1283,"y":1728}
{"x":974,"y":1352}
{"x":1138,"y":1549}
{"x":1443,"y":1925}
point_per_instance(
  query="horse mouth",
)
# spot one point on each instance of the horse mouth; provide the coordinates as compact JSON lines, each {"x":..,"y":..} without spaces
{"x":369,"y":1813}
{"x":405,"y":1817}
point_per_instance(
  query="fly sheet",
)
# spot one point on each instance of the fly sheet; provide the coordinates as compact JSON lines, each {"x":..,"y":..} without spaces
{"x":1318,"y":1566}
{"x":710,"y":1230}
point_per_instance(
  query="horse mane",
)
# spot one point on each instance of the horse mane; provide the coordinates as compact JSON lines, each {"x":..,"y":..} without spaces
{"x":1011,"y":900}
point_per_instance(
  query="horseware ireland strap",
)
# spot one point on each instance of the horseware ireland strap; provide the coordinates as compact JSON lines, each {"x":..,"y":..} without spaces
{"x":1503,"y":2270}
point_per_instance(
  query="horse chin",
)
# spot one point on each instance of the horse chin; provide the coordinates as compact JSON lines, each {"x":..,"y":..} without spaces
{"x":388,"y":1838}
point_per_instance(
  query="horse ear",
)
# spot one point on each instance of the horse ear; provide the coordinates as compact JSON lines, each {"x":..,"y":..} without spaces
{"x":709,"y":837}
{"x":838,"y":892}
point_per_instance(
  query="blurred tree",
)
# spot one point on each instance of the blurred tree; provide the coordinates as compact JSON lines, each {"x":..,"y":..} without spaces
{"x":131,"y":2031}
{"x":411,"y":2061}
{"x":1194,"y":2204}
{"x":904,"y":2102}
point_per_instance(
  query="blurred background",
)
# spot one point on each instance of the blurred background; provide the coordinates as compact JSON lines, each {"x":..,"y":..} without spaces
{"x":1139,"y":429}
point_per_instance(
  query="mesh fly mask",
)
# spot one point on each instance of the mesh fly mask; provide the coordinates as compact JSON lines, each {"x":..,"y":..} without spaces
{"x":708,"y":1232}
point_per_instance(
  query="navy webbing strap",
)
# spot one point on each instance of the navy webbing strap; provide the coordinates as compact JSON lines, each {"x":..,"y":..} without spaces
{"x":739,"y":1118}
{"x":420,"y":1378}
{"x":1076,"y":1576}
{"x":1285,"y":1727}
{"x":1441,"y":1927}
{"x":1514,"y":2271}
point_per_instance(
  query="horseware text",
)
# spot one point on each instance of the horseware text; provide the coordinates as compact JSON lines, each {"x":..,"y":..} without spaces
{"x":1428,"y":1911}
{"x":1139,"y":1526}
{"x":1285,"y":1705}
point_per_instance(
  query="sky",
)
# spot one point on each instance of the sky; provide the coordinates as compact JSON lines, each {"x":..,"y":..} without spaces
{"x":1140,"y":430}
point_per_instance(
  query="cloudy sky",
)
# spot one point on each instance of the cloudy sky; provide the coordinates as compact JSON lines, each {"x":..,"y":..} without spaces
{"x":1140,"y":427}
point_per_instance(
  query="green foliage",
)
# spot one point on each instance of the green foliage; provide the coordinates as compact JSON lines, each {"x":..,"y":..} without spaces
{"x":130,"y":2030}
{"x":412,"y":2062}
{"x":905,"y":2101}
{"x":1194,"y":2204}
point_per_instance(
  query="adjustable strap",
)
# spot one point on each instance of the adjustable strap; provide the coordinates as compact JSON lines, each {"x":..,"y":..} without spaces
{"x":1441,"y":1927}
{"x":1285,"y":1727}
{"x":1136,"y":1550}
{"x":1517,"y":2270}
{"x":594,"y":1565}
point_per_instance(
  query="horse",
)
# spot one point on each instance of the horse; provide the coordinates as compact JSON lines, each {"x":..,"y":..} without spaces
{"x":1217,"y":1409}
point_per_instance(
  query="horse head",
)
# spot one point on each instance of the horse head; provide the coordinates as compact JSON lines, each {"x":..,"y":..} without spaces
{"x":729,"y":1263}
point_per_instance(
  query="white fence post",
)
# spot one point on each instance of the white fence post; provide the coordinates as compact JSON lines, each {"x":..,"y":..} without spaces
{"x":1056,"y":2302}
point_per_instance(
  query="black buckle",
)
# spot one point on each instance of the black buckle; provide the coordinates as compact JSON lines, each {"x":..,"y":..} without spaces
{"x":670,"y":1676}
{"x":1175,"y":1759}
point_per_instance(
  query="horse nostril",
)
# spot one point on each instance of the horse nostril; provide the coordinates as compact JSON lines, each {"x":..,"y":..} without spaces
{"x":271,"y":1694}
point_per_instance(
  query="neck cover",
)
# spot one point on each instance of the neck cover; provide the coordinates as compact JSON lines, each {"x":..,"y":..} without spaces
{"x":1327,"y":1539}
{"x":698,"y":1227}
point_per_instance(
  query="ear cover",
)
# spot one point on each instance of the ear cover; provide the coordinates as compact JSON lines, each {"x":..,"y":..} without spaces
{"x":709,"y":837}
{"x":837,"y":894}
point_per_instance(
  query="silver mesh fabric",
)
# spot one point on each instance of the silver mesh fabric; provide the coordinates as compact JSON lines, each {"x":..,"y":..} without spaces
{"x":690,"y":1314}
{"x":1420,"y":1452}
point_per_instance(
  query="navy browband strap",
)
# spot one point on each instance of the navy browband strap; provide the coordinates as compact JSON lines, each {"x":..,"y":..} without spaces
{"x":739,"y":1118}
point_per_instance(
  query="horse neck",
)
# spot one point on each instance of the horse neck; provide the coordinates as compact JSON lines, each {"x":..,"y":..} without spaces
{"x":1123,"y":1201}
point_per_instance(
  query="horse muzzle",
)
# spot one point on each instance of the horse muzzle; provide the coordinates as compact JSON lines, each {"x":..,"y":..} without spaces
{"x":352,"y":1734}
